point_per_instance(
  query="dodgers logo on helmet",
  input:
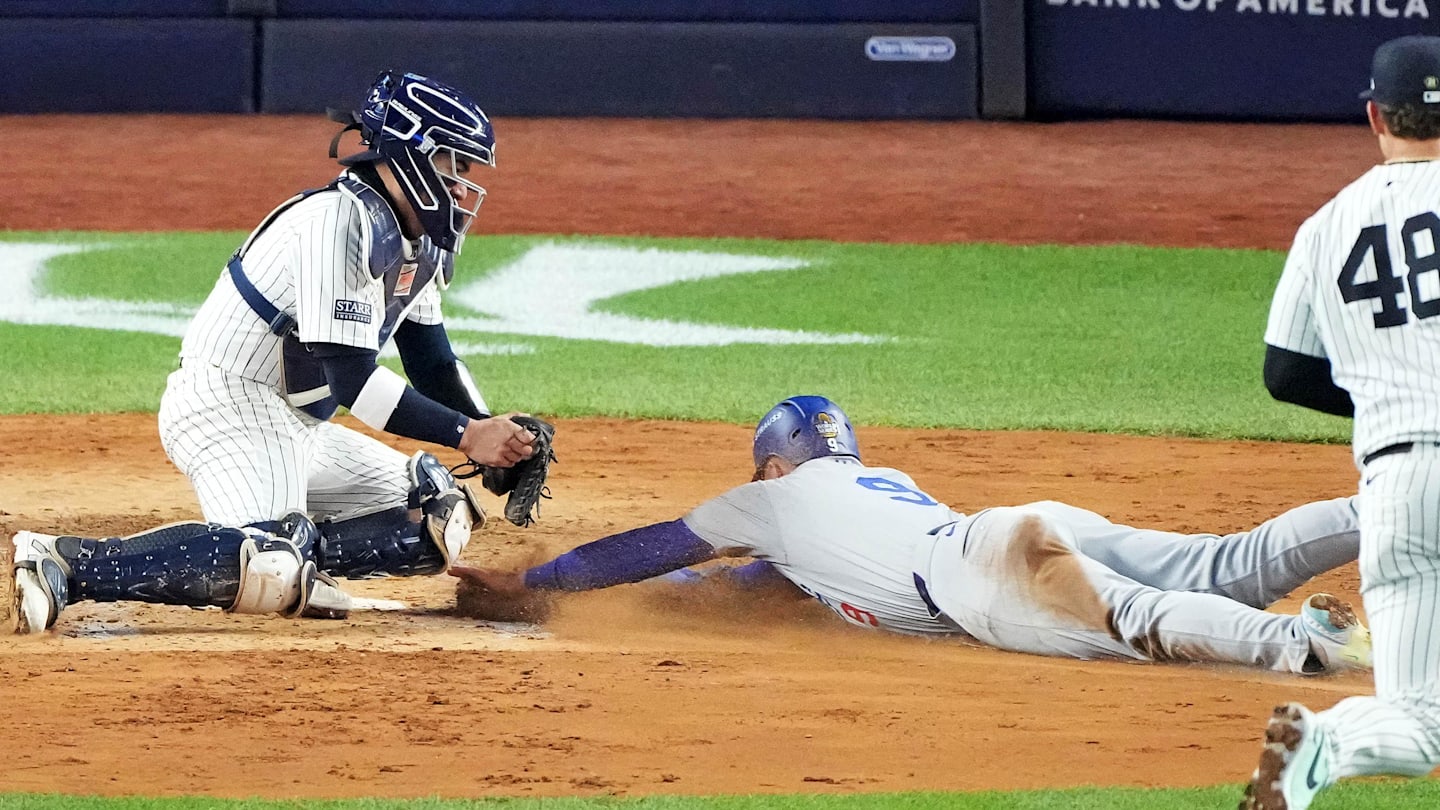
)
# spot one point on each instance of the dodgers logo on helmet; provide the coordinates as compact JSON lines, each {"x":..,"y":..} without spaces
{"x":802,"y":428}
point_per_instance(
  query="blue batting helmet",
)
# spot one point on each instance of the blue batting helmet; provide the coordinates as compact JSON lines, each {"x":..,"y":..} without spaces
{"x":802,"y":428}
{"x":422,"y":129}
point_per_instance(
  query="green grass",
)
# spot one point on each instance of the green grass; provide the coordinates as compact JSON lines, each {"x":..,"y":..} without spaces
{"x":1105,"y":339}
{"x":1381,"y":794}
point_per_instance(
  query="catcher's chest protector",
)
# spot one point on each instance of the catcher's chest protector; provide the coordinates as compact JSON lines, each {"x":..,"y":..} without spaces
{"x":390,"y":262}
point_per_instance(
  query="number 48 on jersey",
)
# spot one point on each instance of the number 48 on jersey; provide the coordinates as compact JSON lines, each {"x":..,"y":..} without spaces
{"x":1420,"y":238}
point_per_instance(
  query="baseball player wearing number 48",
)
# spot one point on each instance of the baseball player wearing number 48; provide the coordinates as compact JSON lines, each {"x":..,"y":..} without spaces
{"x":1044,"y":578}
{"x":291,"y":331}
{"x":1353,"y":331}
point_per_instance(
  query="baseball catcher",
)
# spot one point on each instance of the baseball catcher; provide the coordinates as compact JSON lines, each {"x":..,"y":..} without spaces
{"x":291,"y":332}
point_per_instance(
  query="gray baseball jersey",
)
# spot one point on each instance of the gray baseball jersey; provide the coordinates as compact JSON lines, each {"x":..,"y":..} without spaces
{"x":230,"y":419}
{"x":1361,"y":287}
{"x":875,"y":548}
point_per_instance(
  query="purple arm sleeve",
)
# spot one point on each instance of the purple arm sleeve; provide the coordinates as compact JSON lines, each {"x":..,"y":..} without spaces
{"x":631,"y":556}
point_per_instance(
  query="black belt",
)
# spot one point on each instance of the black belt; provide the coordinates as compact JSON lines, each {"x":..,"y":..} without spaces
{"x":1389,"y":450}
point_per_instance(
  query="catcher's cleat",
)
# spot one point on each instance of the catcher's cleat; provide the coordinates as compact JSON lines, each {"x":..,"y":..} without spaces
{"x":1294,"y":765}
{"x":1337,"y":638}
{"x":41,"y":587}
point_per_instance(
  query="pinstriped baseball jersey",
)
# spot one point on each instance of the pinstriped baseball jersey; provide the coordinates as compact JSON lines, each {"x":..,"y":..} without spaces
{"x":336,"y":261}
{"x":1361,"y":287}
{"x":877,"y":550}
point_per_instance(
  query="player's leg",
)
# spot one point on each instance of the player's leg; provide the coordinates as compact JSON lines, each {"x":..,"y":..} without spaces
{"x":1014,"y":579}
{"x":382,"y":513}
{"x":1398,"y":730}
{"x":243,"y":449}
{"x":254,"y":569}
{"x":1255,"y":567}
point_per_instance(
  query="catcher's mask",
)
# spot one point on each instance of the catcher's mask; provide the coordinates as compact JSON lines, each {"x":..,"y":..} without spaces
{"x":802,"y":428}
{"x":426,"y":132}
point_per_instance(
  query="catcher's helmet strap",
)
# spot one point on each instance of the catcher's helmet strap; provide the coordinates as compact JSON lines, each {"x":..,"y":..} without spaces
{"x":349,"y":118}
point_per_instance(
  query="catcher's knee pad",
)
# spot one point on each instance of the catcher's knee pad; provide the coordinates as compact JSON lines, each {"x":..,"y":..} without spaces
{"x":280,"y":574}
{"x":450,"y":512}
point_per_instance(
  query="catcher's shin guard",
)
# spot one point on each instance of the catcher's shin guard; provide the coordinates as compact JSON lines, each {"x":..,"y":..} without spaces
{"x":450,"y":512}
{"x":384,"y":543}
{"x":190,"y":564}
{"x":397,"y":541}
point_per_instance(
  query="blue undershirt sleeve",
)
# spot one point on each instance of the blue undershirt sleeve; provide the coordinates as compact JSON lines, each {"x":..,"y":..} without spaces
{"x":416,"y":416}
{"x":1305,"y":381}
{"x":431,"y":365}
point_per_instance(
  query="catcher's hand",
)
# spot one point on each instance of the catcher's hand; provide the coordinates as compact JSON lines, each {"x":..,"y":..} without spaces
{"x":499,"y":596}
{"x":524,"y":481}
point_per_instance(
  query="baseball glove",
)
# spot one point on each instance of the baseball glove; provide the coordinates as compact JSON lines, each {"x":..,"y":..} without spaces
{"x":525,"y":481}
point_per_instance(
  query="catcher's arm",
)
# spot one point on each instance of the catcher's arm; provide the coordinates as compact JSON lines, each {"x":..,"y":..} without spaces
{"x":434,"y":370}
{"x":385,"y":401}
{"x":437,"y":374}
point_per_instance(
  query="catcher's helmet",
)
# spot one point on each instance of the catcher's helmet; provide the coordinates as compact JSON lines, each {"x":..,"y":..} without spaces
{"x":802,"y":428}
{"x":420,"y":128}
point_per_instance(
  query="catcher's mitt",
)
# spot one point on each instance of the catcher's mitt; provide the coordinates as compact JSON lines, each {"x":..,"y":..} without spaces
{"x":525,"y":481}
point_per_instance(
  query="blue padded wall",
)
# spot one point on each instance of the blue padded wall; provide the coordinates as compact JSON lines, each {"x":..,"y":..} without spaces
{"x":113,"y":8}
{"x":626,"y":69}
{"x":127,"y":65}
{"x":1283,"y":61}
{"x":643,"y":10}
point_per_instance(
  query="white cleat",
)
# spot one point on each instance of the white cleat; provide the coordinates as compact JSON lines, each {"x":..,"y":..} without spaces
{"x":1294,"y":765}
{"x":1337,"y":637}
{"x":40,"y":582}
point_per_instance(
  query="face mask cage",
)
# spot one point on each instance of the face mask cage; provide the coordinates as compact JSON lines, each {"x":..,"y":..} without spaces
{"x":447,"y":161}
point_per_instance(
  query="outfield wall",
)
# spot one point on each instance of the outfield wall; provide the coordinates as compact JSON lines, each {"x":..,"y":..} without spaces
{"x":1227,"y":59}
{"x":850,"y":59}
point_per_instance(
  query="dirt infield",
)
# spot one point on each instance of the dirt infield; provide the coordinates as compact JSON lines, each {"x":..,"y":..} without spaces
{"x":643,"y":689}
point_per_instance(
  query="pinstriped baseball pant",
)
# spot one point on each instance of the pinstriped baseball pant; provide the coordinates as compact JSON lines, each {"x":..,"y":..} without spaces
{"x":1398,"y":730}
{"x":251,"y":457}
